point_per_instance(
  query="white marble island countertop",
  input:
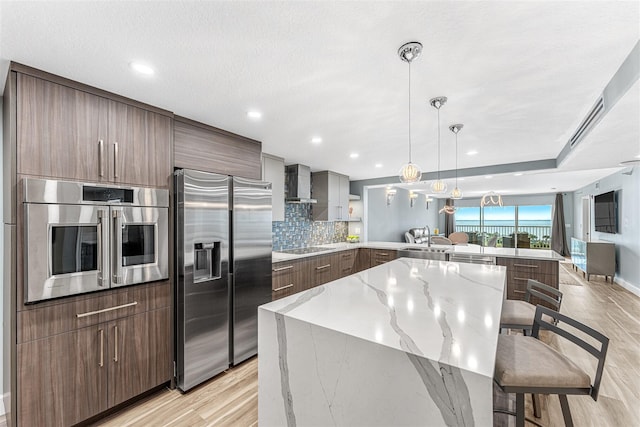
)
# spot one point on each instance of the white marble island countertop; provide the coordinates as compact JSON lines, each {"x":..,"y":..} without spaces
{"x":540,"y":254}
{"x":433,"y":324}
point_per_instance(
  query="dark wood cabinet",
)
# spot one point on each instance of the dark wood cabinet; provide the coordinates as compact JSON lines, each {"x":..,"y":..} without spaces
{"x":380,"y":256}
{"x":324,"y":268}
{"x":363,"y":259}
{"x":67,"y":133}
{"x":520,"y":270}
{"x":202,"y":147}
{"x":62,"y":379}
{"x":289,"y":277}
{"x":80,"y":357}
{"x":347,"y":262}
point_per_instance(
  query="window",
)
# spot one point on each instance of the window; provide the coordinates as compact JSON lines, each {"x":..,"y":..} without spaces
{"x":526,"y":226}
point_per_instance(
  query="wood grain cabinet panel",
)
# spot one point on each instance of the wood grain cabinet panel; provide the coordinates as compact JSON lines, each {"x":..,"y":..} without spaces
{"x":62,"y":379}
{"x":289,"y":277}
{"x":519,"y":271}
{"x":363,"y":259}
{"x":347,"y":262}
{"x":67,"y":133}
{"x":59,"y":130}
{"x":323,"y":269}
{"x":380,"y":256}
{"x":205,"y":148}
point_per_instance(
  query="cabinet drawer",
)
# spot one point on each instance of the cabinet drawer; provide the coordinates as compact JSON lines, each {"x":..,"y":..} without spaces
{"x":517,"y":284}
{"x":380,"y":256}
{"x":104,"y":306}
{"x":322,"y":269}
{"x":287,"y":273}
{"x":346,"y":261}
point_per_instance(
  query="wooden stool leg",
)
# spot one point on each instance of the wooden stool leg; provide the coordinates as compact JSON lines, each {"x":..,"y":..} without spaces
{"x":566,"y":413}
{"x":520,"y":410}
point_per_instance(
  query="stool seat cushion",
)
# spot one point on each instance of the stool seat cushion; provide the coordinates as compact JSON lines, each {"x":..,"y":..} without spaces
{"x":523,"y":361}
{"x":516,"y":312}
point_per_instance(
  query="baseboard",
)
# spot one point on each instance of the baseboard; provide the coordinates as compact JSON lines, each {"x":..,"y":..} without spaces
{"x":628,"y":286}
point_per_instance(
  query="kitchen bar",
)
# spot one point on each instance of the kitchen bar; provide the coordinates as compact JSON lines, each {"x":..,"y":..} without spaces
{"x":408,"y":342}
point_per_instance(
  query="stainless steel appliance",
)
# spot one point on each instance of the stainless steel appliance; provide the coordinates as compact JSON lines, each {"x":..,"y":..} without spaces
{"x":87,"y":237}
{"x":473,"y":258}
{"x":223,"y":271}
{"x":298,"y":179}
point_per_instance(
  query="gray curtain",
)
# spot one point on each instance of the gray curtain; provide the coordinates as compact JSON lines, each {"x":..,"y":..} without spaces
{"x":558,"y":231}
{"x":449,"y":220}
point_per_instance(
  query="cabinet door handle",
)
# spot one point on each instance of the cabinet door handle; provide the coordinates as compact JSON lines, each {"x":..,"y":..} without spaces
{"x":104,"y":310}
{"x":520,"y":278}
{"x":101,"y":157}
{"x":101,"y":364}
{"x":323,"y":267}
{"x":115,"y":159}
{"x":283,"y":268}
{"x":525,"y":265}
{"x":282,"y":288}
{"x":347,"y":255}
{"x":115,"y":353}
{"x":116,"y":244}
{"x":382,"y":254}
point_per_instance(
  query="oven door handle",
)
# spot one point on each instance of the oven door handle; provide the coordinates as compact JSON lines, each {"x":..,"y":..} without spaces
{"x":117,"y":247}
{"x":103,"y":239}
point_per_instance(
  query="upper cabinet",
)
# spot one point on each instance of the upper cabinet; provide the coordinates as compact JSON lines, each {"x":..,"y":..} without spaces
{"x":273,"y":172}
{"x":331,"y":190}
{"x":202,"y":147}
{"x":68,"y":133}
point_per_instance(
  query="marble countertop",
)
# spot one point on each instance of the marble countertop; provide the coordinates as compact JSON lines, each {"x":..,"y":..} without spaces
{"x":443,"y":311}
{"x":541,"y":254}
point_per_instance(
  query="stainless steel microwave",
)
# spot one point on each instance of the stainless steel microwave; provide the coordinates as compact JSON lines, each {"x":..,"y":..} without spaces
{"x":88,"y":237}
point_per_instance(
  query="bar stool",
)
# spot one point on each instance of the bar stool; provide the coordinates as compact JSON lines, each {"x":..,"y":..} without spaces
{"x":518,"y":314}
{"x":524,"y":364}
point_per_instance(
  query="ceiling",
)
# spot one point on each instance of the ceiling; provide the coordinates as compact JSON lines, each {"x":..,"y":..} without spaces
{"x":520,"y":75}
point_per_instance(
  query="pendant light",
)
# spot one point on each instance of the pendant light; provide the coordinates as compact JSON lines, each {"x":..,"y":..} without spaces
{"x":438,"y":186}
{"x":456,"y":194}
{"x":410,"y":172}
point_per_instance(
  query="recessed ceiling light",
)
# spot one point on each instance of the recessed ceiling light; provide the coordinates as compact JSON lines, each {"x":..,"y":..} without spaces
{"x":254,"y":114}
{"x":488,"y":176}
{"x":378,"y":165}
{"x":472,"y":152}
{"x":517,"y":174}
{"x":553,"y":188}
{"x":316,"y":140}
{"x":354,"y":155}
{"x":141,"y":68}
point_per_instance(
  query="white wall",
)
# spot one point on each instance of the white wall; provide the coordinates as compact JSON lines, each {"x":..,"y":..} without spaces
{"x":389,"y":223}
{"x":627,"y":240}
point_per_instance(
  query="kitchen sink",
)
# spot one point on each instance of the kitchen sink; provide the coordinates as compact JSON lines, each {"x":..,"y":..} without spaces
{"x":438,"y":254}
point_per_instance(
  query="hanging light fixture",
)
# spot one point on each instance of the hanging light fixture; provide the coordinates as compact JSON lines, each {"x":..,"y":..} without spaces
{"x":448,"y":209}
{"x":410,"y":172}
{"x":438,"y":186}
{"x":456,"y":194}
{"x":491,"y":198}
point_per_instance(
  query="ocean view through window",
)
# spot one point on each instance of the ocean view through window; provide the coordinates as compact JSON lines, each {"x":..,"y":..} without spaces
{"x":525,"y":226}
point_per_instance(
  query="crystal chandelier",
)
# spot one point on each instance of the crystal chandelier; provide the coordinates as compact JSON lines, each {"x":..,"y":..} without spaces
{"x":438,"y":186}
{"x":456,"y":194}
{"x":410,"y":172}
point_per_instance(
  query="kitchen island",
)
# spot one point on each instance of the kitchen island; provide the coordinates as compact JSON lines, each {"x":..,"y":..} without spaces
{"x":409,"y":342}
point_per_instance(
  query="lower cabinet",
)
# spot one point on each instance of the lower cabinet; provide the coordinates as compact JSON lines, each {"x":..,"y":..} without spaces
{"x":65,"y":378}
{"x":380,"y":256}
{"x":324,"y":268}
{"x":519,"y":271}
{"x":363,"y":260}
{"x":289,"y":277}
{"x":346,"y":262}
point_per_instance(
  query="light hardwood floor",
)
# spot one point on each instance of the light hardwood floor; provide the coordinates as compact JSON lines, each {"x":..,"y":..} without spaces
{"x":232,"y":398}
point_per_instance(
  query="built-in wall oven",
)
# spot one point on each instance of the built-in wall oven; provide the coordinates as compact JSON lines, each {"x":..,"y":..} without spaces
{"x":88,"y":237}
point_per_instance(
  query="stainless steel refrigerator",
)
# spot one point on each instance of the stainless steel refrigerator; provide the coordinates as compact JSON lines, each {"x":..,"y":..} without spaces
{"x":223,"y":271}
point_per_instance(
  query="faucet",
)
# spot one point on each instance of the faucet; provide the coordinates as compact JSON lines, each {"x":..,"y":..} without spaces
{"x":428,"y":236}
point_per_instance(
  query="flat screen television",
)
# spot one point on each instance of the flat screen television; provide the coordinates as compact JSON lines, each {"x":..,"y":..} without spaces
{"x":606,"y":212}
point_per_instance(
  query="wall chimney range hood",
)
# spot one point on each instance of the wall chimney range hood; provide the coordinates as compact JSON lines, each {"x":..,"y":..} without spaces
{"x":298,"y":179}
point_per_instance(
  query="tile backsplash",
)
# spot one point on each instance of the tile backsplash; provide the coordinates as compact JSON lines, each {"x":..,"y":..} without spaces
{"x":298,"y":230}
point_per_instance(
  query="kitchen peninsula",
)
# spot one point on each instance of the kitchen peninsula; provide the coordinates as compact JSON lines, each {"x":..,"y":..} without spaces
{"x":408,"y":342}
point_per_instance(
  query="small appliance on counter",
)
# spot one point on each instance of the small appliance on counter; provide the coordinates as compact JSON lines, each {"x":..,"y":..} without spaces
{"x":223,"y":271}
